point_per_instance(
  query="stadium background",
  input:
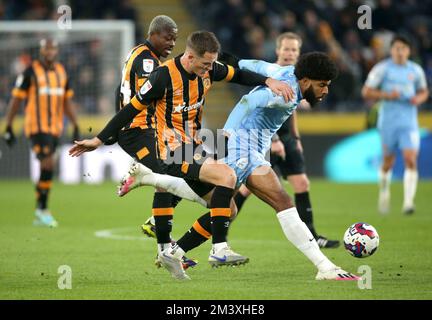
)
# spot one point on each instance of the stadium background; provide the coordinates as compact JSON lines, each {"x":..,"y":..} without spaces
{"x":98,"y":235}
{"x":246,"y":28}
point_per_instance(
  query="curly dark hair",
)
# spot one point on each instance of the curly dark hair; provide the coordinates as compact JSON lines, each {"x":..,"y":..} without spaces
{"x":315,"y":66}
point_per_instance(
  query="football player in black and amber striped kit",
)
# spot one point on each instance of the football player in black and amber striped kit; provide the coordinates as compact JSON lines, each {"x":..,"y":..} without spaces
{"x":138,"y":137}
{"x":45,"y":86}
{"x":177,"y":89}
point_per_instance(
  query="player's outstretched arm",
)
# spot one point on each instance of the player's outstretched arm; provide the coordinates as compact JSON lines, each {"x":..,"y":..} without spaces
{"x":267,"y":70}
{"x":152,"y":90}
{"x":85,"y":145}
{"x":259,"y":66}
{"x":250,"y":78}
{"x":114,"y":125}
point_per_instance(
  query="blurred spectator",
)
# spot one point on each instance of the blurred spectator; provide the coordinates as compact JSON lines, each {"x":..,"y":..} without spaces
{"x":247,"y":28}
{"x":89,"y":74}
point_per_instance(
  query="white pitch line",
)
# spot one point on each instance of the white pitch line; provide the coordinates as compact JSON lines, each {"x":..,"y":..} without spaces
{"x":113,"y":234}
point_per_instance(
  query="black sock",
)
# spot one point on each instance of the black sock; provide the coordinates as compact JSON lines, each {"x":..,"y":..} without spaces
{"x":163,"y":215}
{"x":198,"y":234}
{"x":239,"y":200}
{"x":220,"y":213}
{"x":304,"y":209}
{"x":175,"y":201}
{"x":43,"y":188}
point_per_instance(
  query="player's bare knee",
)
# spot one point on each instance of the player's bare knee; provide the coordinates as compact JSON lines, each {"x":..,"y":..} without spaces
{"x":410,"y":159}
{"x":302,"y":185}
{"x":244,"y":191}
{"x":410,"y":163}
{"x":226,"y":176}
{"x":387,"y":163}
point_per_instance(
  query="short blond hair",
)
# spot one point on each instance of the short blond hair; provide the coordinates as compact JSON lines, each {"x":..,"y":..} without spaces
{"x":290,"y":36}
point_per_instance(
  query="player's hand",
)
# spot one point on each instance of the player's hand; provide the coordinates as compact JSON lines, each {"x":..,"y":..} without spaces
{"x":280,"y":88}
{"x":299,"y":146}
{"x":278,"y":149}
{"x":86,"y":145}
{"x":394,"y":95}
{"x":415,"y":100}
{"x":75,"y":134}
{"x":9,"y":136}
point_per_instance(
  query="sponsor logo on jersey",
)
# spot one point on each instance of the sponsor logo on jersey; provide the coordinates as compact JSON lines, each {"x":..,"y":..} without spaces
{"x":19,"y":80}
{"x":206,"y":83}
{"x":184,"y":108}
{"x":51,"y":91}
{"x":145,"y":88}
{"x":148,"y":65}
{"x":197,"y":157}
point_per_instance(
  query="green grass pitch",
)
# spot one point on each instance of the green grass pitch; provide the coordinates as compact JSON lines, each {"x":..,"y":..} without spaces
{"x":119,"y":265}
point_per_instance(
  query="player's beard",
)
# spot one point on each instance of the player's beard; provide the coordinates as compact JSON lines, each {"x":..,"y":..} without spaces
{"x":310,"y":97}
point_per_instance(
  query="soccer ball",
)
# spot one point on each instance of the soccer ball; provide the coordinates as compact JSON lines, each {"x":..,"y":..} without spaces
{"x":361,"y":240}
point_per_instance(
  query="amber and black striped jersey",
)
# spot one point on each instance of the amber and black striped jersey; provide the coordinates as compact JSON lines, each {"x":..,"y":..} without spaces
{"x":45,"y":90}
{"x":178,"y":98}
{"x":140,"y":62}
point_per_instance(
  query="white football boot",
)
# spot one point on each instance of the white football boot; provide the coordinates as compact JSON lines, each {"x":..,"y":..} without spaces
{"x":336,"y":273}
{"x":133,"y":179}
{"x":171,"y":259}
{"x":226,"y":257}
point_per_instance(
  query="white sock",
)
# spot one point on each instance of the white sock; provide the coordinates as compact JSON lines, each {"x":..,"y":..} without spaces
{"x":384,"y":180}
{"x":217,"y":246}
{"x":300,"y":236}
{"x":163,"y":246}
{"x":176,"y":251}
{"x":174,"y":185}
{"x":410,"y":187}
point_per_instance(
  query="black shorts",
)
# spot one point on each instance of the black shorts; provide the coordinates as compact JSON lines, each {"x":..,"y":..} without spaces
{"x":294,"y":162}
{"x":43,"y":144}
{"x":186,"y":162}
{"x":140,"y":144}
